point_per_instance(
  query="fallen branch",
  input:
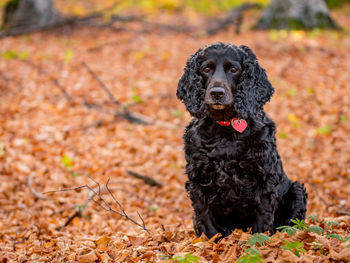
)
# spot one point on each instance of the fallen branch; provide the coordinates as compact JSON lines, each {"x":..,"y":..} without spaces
{"x":53,"y":79}
{"x":14,"y":242}
{"x":102,"y":84}
{"x":126,"y":114}
{"x":235,"y":16}
{"x":167,"y":27}
{"x":287,"y":65}
{"x":343,"y":213}
{"x":145,"y":178}
{"x":79,"y":209}
{"x":32,"y":190}
{"x":99,"y":47}
{"x":60,"y":22}
{"x":97,"y":191}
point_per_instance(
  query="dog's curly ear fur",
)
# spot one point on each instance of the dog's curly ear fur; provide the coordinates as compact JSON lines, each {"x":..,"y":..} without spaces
{"x":190,"y":88}
{"x":254,"y":87}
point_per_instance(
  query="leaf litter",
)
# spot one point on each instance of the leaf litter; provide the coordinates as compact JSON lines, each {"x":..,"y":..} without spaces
{"x":60,"y":143}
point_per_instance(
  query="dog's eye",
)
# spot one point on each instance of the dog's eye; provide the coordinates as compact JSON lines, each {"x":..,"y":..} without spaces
{"x":233,"y":70}
{"x":206,"y":69}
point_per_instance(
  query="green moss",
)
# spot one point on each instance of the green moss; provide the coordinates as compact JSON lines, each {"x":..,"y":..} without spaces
{"x":324,"y":21}
{"x":293,"y":23}
{"x":10,"y":7}
{"x":335,"y":3}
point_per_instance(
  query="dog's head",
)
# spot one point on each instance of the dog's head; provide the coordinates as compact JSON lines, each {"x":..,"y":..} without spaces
{"x":224,"y":81}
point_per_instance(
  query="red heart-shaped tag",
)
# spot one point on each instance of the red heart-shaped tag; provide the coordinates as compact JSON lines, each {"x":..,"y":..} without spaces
{"x":239,"y":125}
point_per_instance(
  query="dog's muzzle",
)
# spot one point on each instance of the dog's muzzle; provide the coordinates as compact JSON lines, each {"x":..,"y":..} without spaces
{"x":218,"y":97}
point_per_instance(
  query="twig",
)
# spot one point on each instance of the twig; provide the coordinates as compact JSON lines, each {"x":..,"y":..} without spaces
{"x":79,"y":210}
{"x":98,"y":47}
{"x":285,"y":67}
{"x":126,"y":114}
{"x":35,"y":193}
{"x":149,"y":202}
{"x":145,"y":178}
{"x":343,"y":213}
{"x":97,"y":191}
{"x":15,"y":242}
{"x":235,"y":16}
{"x":54,"y":80}
{"x":67,"y":189}
{"x":102,"y":84}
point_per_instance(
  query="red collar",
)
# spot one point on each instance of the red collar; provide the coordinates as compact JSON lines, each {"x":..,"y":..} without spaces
{"x":238,"y":124}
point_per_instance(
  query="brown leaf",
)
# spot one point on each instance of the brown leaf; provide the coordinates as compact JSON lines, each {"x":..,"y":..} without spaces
{"x":88,"y":258}
{"x":102,"y":243}
{"x":343,"y":255}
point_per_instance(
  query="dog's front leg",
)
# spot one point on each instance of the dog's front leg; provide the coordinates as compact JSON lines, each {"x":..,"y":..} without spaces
{"x":202,"y":220}
{"x":203,"y":223}
{"x":265,"y":216}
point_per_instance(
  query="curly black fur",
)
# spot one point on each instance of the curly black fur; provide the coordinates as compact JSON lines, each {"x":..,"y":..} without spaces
{"x":236,"y":180}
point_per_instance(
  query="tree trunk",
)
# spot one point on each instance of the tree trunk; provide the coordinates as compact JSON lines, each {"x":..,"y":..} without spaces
{"x":296,"y":14}
{"x":29,"y":14}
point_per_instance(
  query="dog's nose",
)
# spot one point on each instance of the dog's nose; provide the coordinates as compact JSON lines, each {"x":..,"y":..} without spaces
{"x":217,"y":93}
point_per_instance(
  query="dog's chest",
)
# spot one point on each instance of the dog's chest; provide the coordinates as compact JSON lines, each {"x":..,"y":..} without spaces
{"x":218,"y":161}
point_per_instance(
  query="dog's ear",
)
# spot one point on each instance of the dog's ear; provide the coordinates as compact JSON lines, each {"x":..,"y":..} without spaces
{"x":254,"y":88}
{"x":190,"y":88}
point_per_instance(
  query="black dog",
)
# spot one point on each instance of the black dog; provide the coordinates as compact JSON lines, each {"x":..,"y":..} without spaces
{"x":236,"y":178}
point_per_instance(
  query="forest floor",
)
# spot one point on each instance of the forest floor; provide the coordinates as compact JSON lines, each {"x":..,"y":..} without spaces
{"x":50,"y":141}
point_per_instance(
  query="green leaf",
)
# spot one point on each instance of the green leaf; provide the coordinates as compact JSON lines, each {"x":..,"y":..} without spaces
{"x":68,"y":55}
{"x":292,"y":92}
{"x":67,"y":162}
{"x":283,"y":135}
{"x":343,"y":118}
{"x":313,"y":218}
{"x":299,"y":224}
{"x":252,"y":255}
{"x":188,"y":258}
{"x":252,"y":251}
{"x":336,"y":236}
{"x":324,"y":130}
{"x":12,"y":54}
{"x":176,"y":113}
{"x":80,"y":207}
{"x":315,"y":229}
{"x":330,"y":223}
{"x":288,"y":229}
{"x":339,"y":237}
{"x":164,"y":257}
{"x":74,"y":174}
{"x":259,"y":238}
{"x":153,"y":208}
{"x":295,"y":247}
{"x":310,"y":90}
{"x":136,"y":98}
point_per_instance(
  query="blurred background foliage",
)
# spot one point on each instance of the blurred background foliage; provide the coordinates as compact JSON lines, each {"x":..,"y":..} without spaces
{"x":208,"y":7}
